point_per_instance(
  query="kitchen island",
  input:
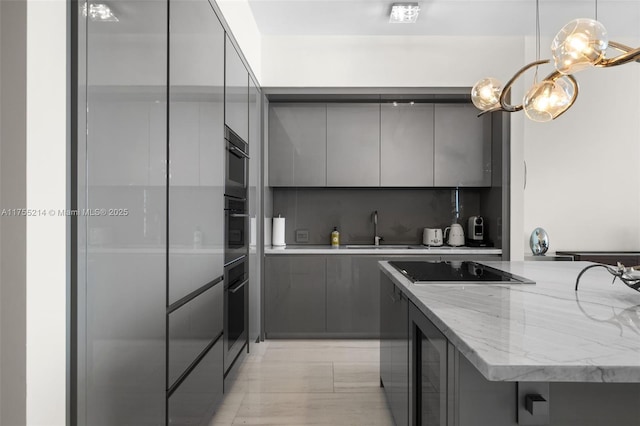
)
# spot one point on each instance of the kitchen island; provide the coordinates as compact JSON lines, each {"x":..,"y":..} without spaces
{"x":576,"y":355}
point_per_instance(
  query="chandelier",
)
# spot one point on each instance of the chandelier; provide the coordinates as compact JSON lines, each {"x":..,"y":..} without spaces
{"x":580,"y":44}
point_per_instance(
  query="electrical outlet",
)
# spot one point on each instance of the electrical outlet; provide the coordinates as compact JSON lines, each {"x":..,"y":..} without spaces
{"x":302,"y":235}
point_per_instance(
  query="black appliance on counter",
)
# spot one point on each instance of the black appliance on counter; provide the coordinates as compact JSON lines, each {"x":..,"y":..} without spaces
{"x":423,"y":272}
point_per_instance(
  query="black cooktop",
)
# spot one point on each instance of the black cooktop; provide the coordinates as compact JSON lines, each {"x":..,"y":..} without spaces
{"x":461,"y":272}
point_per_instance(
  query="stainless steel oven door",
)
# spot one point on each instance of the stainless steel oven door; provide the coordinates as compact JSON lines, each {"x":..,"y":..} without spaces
{"x":236,"y":293}
{"x":236,"y":170}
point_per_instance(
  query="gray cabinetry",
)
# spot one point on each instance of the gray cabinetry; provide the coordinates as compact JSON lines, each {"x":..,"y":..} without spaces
{"x":195,"y":401}
{"x":406,"y":145}
{"x":353,"y":305}
{"x":462,"y":146}
{"x":353,"y":145}
{"x":295,"y":295}
{"x":297,"y":144}
{"x":196,"y":126}
{"x":236,"y":113}
{"x":255,"y":221}
{"x":394,"y":349}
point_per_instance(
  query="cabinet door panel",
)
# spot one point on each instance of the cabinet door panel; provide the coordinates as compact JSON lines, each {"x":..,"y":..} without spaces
{"x":298,"y":145}
{"x":195,"y":401}
{"x":406,"y":145}
{"x":353,"y":145}
{"x":192,"y":327}
{"x":295,"y":294}
{"x":462,"y":147}
{"x":236,"y":111}
{"x":353,"y":304}
{"x":196,"y":160}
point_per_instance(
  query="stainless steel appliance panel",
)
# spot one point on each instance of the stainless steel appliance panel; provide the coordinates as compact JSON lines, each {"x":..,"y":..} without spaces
{"x":192,"y":327}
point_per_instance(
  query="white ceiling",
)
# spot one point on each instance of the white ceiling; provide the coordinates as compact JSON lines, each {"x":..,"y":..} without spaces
{"x":440,"y":17}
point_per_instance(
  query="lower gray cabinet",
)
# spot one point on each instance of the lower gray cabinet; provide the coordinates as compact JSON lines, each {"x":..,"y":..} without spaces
{"x":195,"y":400}
{"x":394,"y":349}
{"x":353,"y":304}
{"x":295,"y":292}
{"x":192,"y":327}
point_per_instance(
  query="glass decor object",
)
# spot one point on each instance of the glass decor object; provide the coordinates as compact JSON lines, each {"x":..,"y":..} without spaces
{"x":549,"y":99}
{"x":485,"y":95}
{"x":630,"y":276}
{"x":539,"y":242}
{"x":578,"y":45}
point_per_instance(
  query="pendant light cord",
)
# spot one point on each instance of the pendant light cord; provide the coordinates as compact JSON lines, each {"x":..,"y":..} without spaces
{"x":535,"y":76}
{"x":596,"y":10}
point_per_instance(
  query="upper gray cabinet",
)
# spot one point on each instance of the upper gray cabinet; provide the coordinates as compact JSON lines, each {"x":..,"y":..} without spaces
{"x":406,"y":145}
{"x":298,"y":144}
{"x":353,"y":145}
{"x":462,"y":146}
{"x":236,"y":113}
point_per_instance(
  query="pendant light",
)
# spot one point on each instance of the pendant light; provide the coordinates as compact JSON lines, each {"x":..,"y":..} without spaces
{"x":580,"y":44}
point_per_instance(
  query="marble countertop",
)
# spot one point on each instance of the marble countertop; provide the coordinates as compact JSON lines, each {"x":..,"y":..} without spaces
{"x":542,"y":332}
{"x":411,"y":249}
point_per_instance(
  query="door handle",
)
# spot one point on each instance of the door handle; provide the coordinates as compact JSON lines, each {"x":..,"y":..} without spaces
{"x":238,"y":152}
{"x":238,"y":215}
{"x":238,"y":287}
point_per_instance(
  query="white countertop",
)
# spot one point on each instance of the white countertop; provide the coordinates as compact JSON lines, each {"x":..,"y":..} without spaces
{"x":542,"y":332}
{"x":415,"y":249}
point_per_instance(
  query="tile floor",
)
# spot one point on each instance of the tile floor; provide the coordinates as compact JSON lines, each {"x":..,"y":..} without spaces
{"x":307,"y":382}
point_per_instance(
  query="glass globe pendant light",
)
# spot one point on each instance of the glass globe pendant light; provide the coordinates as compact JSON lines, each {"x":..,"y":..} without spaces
{"x":580,"y":44}
{"x":485,"y":94}
{"x":548,"y":99}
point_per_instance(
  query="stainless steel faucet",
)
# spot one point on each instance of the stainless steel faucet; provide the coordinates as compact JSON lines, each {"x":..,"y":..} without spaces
{"x":376,"y":237}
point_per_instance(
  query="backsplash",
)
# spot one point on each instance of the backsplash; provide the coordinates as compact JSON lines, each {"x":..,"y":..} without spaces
{"x":402,"y":212}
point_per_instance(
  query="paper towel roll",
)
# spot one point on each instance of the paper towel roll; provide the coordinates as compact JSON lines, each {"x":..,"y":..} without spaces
{"x":277,"y":239}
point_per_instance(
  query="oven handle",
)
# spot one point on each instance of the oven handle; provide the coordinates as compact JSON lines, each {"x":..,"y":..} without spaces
{"x":238,"y":215}
{"x":238,"y":152}
{"x":238,"y":287}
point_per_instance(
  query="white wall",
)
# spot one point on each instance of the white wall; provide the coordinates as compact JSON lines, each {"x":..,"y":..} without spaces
{"x":583,"y":180}
{"x":46,"y":189}
{"x":385,"y":61}
{"x":239,"y":16}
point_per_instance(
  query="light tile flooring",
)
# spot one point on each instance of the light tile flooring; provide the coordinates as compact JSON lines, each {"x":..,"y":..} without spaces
{"x":307,"y":382}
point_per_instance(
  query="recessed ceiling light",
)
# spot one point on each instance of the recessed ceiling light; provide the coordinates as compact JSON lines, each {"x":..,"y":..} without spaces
{"x":99,"y":12}
{"x":404,"y":13}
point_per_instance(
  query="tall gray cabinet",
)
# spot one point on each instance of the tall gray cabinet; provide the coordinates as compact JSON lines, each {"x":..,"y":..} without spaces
{"x":195,"y":208}
{"x":121,"y":265}
{"x":147,"y":274}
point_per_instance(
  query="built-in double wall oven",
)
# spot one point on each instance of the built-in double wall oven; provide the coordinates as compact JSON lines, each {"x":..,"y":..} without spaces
{"x":236,"y":270}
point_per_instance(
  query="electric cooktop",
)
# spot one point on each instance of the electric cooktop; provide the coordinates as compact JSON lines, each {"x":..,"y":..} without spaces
{"x":423,"y":272}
